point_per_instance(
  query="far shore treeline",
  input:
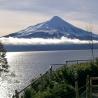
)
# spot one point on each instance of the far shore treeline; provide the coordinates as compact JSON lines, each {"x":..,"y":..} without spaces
{"x":20,"y":48}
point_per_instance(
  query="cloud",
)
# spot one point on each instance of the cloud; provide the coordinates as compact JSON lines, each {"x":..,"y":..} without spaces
{"x":41,"y":4}
{"x":88,"y":8}
{"x":42,"y":41}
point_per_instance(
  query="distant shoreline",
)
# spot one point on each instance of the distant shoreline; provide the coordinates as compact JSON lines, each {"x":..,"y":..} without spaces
{"x":23,"y":48}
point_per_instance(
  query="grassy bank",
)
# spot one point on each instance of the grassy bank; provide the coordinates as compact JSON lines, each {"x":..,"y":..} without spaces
{"x":60,"y":83}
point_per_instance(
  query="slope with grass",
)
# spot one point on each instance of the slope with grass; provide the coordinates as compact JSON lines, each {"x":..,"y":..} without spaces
{"x":60,"y":83}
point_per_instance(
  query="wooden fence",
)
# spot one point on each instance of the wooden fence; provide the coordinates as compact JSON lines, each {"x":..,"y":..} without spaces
{"x":19,"y":94}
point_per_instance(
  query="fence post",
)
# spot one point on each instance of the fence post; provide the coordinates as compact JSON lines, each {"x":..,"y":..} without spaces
{"x":16,"y":94}
{"x":50,"y":73}
{"x":87,"y":87}
{"x":76,"y":85}
{"x":77,"y":61}
{"x":66,"y":63}
{"x":76,"y":89}
{"x":50,"y":69}
{"x":90,"y":88}
{"x":41,"y":77}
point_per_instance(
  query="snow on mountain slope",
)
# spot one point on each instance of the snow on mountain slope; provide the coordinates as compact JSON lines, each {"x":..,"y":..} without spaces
{"x":54,"y":28}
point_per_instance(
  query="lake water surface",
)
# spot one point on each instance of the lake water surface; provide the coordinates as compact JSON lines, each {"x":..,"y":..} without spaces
{"x":28,"y":65}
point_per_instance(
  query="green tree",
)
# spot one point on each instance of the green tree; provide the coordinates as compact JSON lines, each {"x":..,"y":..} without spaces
{"x":3,"y":60}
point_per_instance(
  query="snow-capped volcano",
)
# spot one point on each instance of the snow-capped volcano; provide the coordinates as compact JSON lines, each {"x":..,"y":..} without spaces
{"x":54,"y":28}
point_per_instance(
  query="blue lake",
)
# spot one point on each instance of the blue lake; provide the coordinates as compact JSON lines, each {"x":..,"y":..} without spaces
{"x":28,"y":65}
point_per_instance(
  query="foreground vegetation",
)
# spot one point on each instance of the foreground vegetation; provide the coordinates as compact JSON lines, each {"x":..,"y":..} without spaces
{"x":3,"y":60}
{"x":60,"y":83}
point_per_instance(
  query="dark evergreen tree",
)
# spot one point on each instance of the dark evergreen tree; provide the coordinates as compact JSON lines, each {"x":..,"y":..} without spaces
{"x":3,"y":60}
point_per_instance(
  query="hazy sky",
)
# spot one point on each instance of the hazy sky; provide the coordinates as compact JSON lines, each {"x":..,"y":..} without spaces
{"x":19,"y":14}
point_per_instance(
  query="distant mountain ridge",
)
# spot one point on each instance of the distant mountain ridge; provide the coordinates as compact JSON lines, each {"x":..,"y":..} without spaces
{"x":54,"y":28}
